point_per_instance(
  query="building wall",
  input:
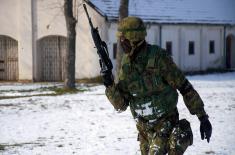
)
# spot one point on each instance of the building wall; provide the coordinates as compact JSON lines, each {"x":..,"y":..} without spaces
{"x":230,"y":31}
{"x":180,"y":35}
{"x":25,"y":40}
{"x":212,"y":60}
{"x":9,"y":10}
{"x":201,"y":35}
{"x":112,"y":39}
{"x":190,"y":62}
{"x":28,"y":21}
{"x":50,"y":20}
{"x":16,"y":22}
{"x":153,"y":32}
{"x":87,"y":60}
{"x":172,"y":34}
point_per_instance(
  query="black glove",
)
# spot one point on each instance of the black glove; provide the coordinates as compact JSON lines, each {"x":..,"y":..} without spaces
{"x":205,"y":128}
{"x":107,"y":78}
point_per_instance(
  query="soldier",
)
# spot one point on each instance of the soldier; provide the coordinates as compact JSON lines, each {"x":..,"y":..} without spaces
{"x":148,"y":83}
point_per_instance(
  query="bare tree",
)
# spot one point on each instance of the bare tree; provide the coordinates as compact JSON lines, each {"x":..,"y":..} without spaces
{"x":71,"y":22}
{"x":123,"y":12}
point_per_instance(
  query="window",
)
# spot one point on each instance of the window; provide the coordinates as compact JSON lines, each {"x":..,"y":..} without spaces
{"x":191,"y":48}
{"x":169,"y":47}
{"x":212,"y":46}
{"x":114,"y":50}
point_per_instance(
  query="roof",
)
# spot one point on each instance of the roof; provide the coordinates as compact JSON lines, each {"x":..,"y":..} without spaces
{"x":172,"y":11}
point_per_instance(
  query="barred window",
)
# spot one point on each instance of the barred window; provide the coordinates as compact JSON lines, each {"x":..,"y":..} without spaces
{"x":191,"y":48}
{"x":212,"y":46}
{"x":169,"y":47}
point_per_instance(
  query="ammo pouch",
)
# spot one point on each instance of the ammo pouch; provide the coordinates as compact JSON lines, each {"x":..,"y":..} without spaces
{"x":185,"y":127}
{"x":181,"y":135}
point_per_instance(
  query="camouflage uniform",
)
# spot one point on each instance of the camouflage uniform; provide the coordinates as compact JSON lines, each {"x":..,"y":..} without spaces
{"x":148,"y":84}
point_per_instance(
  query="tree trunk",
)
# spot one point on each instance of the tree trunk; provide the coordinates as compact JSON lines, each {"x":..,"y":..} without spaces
{"x":69,"y":81}
{"x":123,"y":9}
{"x":123,"y":12}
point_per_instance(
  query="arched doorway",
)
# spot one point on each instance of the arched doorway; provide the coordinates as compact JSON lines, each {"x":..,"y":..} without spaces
{"x":230,"y":51}
{"x":51,"y":53}
{"x":9,"y":70}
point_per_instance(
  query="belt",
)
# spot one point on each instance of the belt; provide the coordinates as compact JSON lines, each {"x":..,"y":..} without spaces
{"x":151,"y":124}
{"x":147,"y":124}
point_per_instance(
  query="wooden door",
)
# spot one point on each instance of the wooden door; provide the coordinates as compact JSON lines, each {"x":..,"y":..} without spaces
{"x":52,"y":50}
{"x":9,"y":70}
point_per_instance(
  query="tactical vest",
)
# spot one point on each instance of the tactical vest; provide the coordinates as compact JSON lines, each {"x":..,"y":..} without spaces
{"x":151,"y":96}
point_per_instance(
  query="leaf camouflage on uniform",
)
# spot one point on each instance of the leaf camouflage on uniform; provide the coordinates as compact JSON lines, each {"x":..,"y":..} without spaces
{"x":148,"y":84}
{"x":152,"y":76}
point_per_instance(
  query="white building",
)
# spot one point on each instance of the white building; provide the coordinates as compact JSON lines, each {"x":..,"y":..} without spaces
{"x":200,"y":34}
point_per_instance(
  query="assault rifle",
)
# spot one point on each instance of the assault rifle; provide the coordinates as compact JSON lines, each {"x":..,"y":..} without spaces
{"x":102,"y":49}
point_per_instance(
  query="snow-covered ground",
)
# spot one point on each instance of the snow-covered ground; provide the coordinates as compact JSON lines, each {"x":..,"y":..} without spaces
{"x":86,"y":124}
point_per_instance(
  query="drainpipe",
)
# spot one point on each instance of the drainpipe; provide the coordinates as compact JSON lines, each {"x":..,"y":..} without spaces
{"x":201,"y":61}
{"x":34,"y":39}
{"x":160,"y":35}
{"x":180,"y":51}
{"x":225,"y":54}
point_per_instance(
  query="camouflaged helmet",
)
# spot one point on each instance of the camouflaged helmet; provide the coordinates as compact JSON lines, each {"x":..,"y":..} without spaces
{"x":132,"y":28}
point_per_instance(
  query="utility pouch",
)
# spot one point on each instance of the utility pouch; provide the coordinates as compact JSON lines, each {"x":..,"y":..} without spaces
{"x":185,"y":127}
{"x":181,"y":136}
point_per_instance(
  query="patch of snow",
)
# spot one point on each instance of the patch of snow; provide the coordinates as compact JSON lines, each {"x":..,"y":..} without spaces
{"x":146,"y":110}
{"x":86,"y":123}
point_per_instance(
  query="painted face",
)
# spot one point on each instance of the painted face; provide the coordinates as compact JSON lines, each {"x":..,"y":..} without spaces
{"x":125,"y":44}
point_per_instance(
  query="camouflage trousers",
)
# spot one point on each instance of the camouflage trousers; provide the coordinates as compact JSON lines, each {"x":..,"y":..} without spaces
{"x":169,"y":135}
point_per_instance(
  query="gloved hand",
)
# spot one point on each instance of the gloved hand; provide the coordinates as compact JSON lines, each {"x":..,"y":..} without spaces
{"x":107,"y":78}
{"x":205,"y":128}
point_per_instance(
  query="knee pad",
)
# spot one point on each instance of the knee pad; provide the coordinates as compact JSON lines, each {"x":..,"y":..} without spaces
{"x":181,"y":136}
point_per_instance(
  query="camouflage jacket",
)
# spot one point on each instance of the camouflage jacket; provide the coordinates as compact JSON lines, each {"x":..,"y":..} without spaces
{"x":148,"y":84}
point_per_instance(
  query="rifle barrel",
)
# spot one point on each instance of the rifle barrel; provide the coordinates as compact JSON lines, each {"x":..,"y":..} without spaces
{"x":89,"y":19}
